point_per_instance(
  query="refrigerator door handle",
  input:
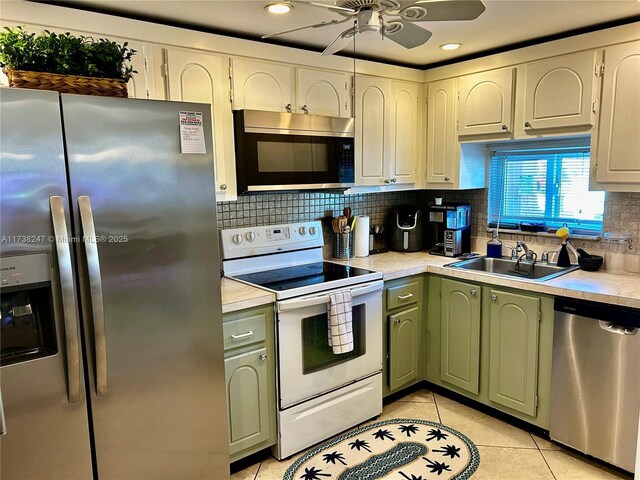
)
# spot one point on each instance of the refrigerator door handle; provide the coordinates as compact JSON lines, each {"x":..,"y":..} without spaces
{"x":95,"y":287}
{"x":3,"y":424}
{"x":70,"y":316}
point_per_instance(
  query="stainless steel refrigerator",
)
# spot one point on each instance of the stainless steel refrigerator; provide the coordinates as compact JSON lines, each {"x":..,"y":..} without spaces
{"x":111,"y":329}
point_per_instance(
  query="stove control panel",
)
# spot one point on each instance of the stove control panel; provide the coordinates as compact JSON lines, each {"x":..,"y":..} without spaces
{"x":265,"y":239}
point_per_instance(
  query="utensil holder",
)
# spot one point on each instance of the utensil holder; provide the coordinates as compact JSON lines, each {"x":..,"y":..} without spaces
{"x":343,"y":246}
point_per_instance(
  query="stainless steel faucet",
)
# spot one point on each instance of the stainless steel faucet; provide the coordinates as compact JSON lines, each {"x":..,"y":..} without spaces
{"x":528,"y":253}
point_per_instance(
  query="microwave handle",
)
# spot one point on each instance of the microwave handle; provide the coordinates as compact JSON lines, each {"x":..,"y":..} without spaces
{"x":311,"y":301}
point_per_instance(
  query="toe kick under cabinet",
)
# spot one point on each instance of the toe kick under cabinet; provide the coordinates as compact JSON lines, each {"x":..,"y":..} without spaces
{"x":491,"y":344}
{"x":249,"y":361}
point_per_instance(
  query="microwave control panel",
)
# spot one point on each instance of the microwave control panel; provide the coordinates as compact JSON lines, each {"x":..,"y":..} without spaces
{"x":346,"y":164}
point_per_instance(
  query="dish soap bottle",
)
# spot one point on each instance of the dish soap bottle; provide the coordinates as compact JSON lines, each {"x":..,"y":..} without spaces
{"x":494,"y":246}
{"x":563,"y":255}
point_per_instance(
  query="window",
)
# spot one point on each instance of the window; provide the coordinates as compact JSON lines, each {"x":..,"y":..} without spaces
{"x":545,"y":182}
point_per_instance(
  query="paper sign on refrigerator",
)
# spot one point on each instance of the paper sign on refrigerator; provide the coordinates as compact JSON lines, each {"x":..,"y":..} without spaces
{"x":191,"y":133}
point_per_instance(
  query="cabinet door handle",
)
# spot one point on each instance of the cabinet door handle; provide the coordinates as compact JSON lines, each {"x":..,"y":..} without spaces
{"x":446,"y":179}
{"x":223,"y":186}
{"x":287,"y":107}
{"x":505,"y":128}
{"x":387,"y":181}
{"x":263,"y":357}
{"x":242,"y":335}
{"x":473,"y":292}
{"x":494,"y":297}
{"x":397,"y":321}
{"x":405,"y":297}
{"x":305,"y":109}
{"x":393,"y":180}
{"x":527,"y":124}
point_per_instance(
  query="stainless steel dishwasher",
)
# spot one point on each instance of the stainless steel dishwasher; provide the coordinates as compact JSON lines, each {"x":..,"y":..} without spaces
{"x":595,"y":389}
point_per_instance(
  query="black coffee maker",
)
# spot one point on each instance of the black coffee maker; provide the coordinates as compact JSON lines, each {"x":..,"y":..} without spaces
{"x":405,"y":229}
{"x":449,"y":231}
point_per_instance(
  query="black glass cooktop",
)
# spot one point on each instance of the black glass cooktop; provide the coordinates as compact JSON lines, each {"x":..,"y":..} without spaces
{"x":302,"y":275}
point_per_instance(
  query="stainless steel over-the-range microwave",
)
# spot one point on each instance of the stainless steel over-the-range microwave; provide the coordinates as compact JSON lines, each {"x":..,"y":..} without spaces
{"x":291,"y":151}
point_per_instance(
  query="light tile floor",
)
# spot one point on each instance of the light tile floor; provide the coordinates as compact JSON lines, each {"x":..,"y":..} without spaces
{"x":506,"y":452}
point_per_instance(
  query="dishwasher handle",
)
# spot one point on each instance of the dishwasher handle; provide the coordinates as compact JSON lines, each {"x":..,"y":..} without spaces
{"x":617,"y":329}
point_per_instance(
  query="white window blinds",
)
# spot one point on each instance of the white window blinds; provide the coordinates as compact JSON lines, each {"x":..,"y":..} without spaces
{"x":544,"y":182}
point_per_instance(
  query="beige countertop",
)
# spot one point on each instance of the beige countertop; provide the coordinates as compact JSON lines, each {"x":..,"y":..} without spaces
{"x":617,"y":288}
{"x":238,"y":296}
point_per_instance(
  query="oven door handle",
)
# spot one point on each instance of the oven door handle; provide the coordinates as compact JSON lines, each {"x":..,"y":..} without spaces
{"x":310,"y":301}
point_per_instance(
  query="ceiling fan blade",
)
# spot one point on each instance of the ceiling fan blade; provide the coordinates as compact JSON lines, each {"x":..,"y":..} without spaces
{"x":443,"y":10}
{"x":341,"y":41}
{"x":409,"y":36}
{"x":315,"y":25}
{"x":334,"y":8}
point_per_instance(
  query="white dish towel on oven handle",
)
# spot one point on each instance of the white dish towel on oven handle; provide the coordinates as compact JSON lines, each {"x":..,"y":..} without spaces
{"x":340,"y":325}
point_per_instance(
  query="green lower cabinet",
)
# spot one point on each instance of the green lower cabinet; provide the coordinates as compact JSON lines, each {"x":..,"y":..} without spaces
{"x":404,"y":333}
{"x":493,"y":346}
{"x":249,"y":367}
{"x":404,"y":338}
{"x":248,"y":404}
{"x":513,"y":351}
{"x":460,"y":335}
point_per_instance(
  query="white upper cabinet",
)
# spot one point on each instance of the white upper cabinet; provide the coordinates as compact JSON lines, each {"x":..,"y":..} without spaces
{"x":485,"y":102}
{"x":261,"y":86}
{"x":441,"y":133}
{"x":616,"y":147}
{"x":450,"y":164}
{"x":559,"y":92}
{"x":202,"y":78}
{"x":283,"y":88}
{"x":141,"y":84}
{"x":372,"y":132}
{"x":320,"y":92}
{"x":405,"y":130}
{"x":387,"y":131}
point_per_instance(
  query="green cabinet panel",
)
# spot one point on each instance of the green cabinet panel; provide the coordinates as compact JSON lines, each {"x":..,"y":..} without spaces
{"x":404,"y":333}
{"x":404,"y":338}
{"x":247,"y":393}
{"x":250,"y":380}
{"x":460,"y":334}
{"x":513,"y":351}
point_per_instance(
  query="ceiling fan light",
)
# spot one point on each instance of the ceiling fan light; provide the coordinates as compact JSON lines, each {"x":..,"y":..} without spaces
{"x":450,"y":46}
{"x":280,"y":7}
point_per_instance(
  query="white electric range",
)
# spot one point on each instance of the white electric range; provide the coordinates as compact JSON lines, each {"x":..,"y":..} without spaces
{"x":319,"y":393}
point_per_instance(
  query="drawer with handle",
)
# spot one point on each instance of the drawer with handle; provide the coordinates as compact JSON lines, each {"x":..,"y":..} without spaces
{"x":402,"y":295}
{"x":244,"y":331}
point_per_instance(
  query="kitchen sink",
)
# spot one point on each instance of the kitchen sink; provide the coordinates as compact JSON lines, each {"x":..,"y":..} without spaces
{"x":505,"y":267}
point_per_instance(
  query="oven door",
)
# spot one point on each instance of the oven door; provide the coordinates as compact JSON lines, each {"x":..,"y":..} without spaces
{"x":307,"y":365}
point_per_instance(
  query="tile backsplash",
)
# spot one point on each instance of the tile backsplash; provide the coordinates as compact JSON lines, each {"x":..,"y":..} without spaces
{"x":622,"y":214}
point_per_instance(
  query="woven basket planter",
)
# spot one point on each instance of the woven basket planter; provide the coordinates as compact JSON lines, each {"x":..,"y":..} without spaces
{"x":107,"y":87}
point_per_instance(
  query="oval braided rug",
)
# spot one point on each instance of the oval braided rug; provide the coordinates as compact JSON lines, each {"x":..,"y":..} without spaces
{"x":401,"y":449}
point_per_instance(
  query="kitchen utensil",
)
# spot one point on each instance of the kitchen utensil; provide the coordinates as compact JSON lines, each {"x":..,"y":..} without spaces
{"x":582,"y":253}
{"x":591,"y":263}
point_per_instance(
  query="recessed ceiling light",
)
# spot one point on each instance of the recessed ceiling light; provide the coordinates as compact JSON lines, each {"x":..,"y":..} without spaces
{"x":450,"y":46}
{"x":280,"y":7}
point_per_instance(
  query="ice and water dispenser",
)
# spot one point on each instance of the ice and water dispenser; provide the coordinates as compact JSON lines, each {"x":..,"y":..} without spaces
{"x":27,"y":322}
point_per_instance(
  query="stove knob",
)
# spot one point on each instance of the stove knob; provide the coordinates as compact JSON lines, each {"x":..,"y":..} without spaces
{"x":237,"y":239}
{"x":302,"y":231}
{"x":312,"y":230}
{"x":250,"y":236}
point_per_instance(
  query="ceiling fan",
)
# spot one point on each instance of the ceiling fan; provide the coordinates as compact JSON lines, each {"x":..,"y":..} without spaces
{"x":393,"y":19}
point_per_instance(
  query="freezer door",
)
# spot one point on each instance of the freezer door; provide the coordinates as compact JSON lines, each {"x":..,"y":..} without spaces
{"x":150,"y":288}
{"x":41,"y":380}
